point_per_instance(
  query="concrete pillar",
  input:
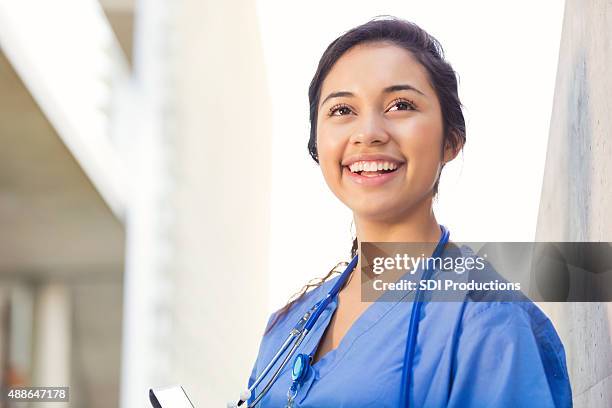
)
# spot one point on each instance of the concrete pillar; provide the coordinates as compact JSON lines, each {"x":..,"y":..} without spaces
{"x":577,"y":190}
{"x":52,"y":338}
{"x":223,"y":167}
{"x":148,"y":284}
{"x":22,"y":299}
{"x":197,"y":227}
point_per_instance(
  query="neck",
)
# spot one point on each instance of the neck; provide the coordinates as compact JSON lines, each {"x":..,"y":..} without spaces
{"x":417,"y":225}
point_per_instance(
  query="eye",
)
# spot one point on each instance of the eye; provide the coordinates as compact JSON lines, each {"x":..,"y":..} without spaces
{"x":339,"y":110}
{"x":402,"y":104}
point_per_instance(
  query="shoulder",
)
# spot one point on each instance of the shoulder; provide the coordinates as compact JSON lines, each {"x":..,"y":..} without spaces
{"x":517,"y":326}
{"x":503,"y":313}
{"x":282,"y":318}
{"x":512,"y":318}
{"x":502,"y":307}
{"x":522,"y":335}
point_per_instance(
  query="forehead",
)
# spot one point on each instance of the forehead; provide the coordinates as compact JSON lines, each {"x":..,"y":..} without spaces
{"x":370,"y":67}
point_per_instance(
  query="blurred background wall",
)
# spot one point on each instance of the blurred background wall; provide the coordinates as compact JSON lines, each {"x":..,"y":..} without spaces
{"x":62,"y":201}
{"x":155,"y":187}
{"x":577,"y":191}
{"x":134,"y":196}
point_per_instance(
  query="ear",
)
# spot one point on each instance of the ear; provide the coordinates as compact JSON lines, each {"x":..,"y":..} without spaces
{"x":452,"y":146}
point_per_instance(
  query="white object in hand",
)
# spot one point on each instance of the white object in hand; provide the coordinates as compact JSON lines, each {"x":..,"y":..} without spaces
{"x":172,"y":397}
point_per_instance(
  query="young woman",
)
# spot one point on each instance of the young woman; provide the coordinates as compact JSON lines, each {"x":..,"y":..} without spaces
{"x":385,"y":118}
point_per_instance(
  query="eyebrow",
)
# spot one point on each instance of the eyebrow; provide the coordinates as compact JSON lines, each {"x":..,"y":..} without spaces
{"x":389,"y":89}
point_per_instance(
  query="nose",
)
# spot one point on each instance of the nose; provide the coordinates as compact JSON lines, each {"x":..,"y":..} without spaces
{"x":370,"y":130}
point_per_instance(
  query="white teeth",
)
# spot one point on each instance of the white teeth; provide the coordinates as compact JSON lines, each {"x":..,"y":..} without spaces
{"x":372,"y":166}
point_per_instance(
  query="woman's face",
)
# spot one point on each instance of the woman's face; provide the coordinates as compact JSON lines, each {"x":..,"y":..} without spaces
{"x":379,"y":131}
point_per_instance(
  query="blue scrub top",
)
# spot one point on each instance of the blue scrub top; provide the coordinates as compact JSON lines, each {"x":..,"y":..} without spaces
{"x":468,"y":354}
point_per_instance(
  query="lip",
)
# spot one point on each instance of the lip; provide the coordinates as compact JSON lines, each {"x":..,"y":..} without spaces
{"x":374,"y":180}
{"x":371,"y":157}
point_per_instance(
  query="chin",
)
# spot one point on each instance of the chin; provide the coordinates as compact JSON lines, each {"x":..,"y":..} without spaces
{"x":375,"y":211}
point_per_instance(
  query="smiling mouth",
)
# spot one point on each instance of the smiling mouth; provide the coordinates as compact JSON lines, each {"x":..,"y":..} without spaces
{"x":372,"y":169}
{"x":373,"y":173}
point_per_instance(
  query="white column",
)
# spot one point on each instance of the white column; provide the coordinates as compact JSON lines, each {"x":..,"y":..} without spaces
{"x":223,"y":167}
{"x":148,"y":286}
{"x":197,"y":226}
{"x":52,"y":337}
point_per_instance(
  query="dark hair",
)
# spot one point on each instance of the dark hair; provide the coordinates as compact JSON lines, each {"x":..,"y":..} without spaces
{"x":443,"y":79}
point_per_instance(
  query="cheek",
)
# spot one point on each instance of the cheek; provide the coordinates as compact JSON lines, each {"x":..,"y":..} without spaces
{"x":423,"y":147}
{"x":330,"y":150}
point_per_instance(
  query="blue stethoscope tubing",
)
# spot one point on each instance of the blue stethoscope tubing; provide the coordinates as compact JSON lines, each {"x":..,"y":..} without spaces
{"x":306,"y":323}
{"x":413,"y":326}
{"x":298,"y":333}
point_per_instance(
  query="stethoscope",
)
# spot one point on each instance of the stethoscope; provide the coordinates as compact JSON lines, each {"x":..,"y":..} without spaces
{"x":302,"y":362}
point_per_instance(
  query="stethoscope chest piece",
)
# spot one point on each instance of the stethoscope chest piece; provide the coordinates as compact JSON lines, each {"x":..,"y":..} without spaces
{"x":301,"y":364}
{"x":299,"y":371}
